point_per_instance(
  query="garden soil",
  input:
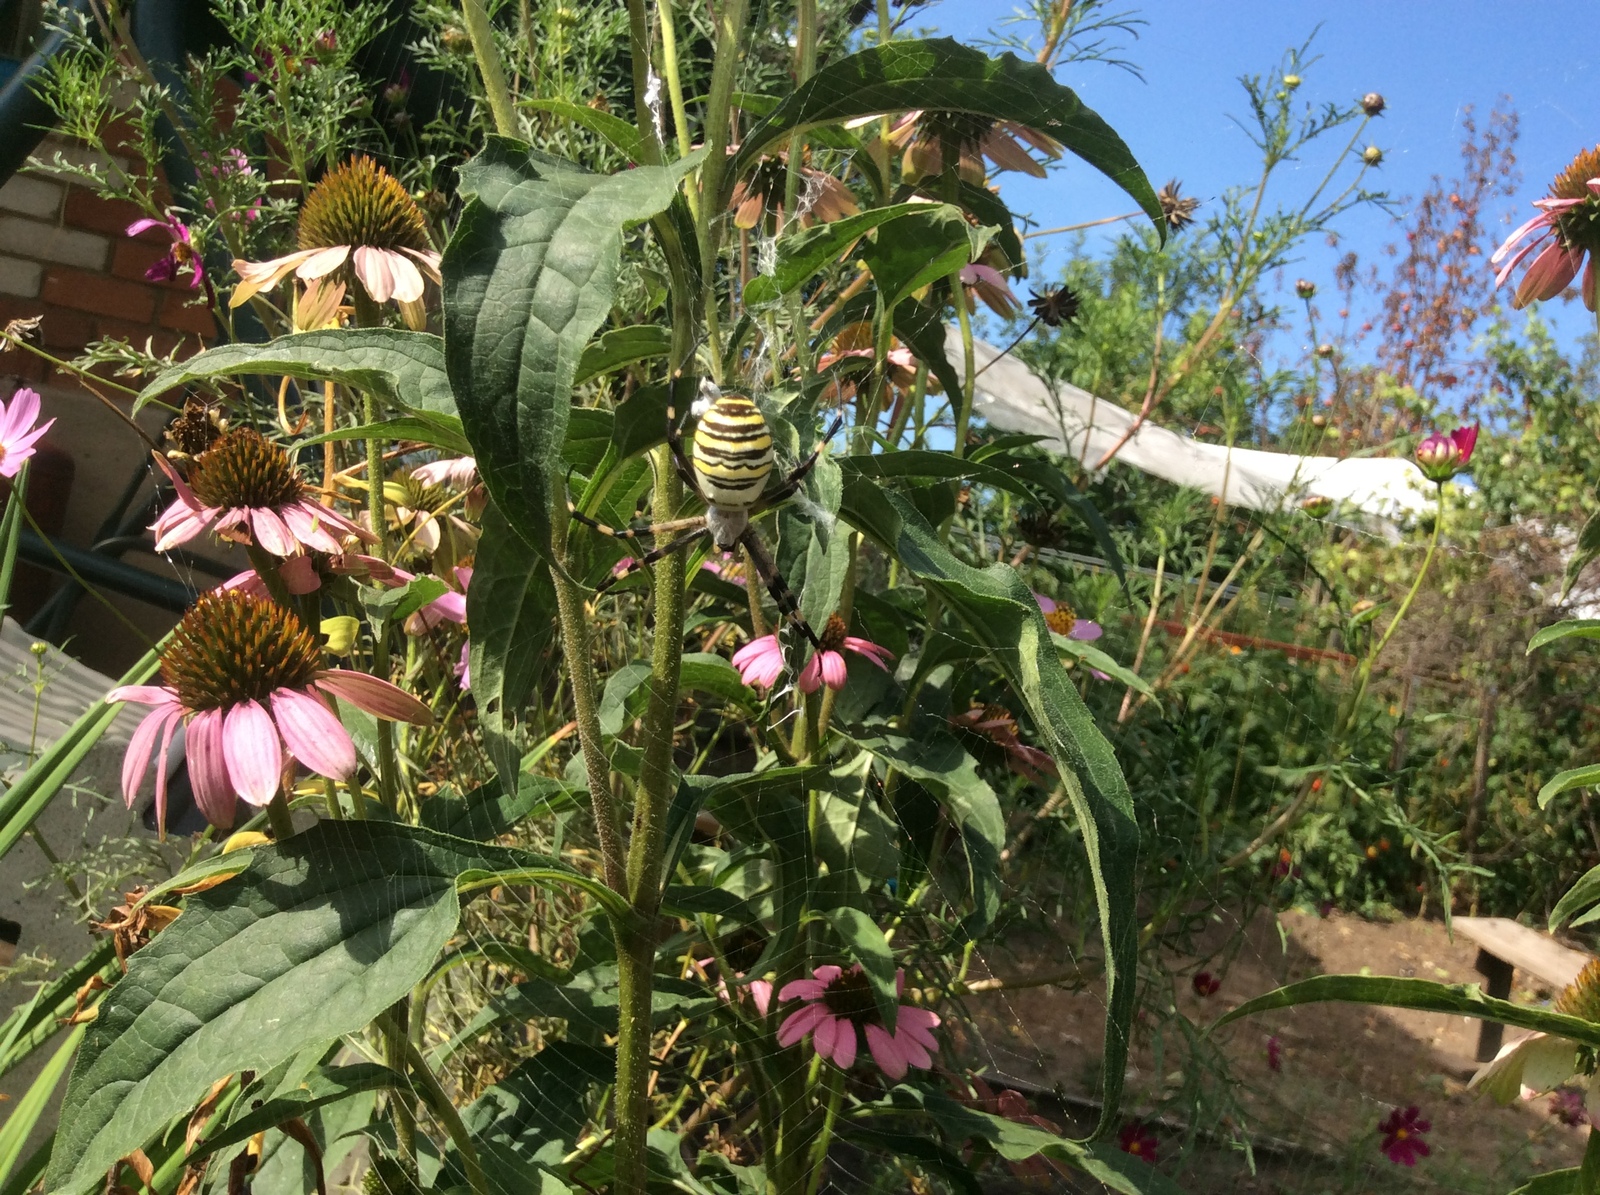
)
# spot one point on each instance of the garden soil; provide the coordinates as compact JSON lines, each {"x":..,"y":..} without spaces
{"x":1343,"y":1068}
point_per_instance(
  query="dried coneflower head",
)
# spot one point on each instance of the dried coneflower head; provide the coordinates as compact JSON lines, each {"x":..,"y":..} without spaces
{"x":1176,"y":209}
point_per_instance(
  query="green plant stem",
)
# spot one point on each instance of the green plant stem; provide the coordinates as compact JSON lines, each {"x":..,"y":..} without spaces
{"x":731,"y":19}
{"x":639,"y":44}
{"x":969,"y":370}
{"x":669,"y":67}
{"x":636,"y":943}
{"x":489,"y":67}
{"x":396,"y":1048}
{"x":444,"y":1110}
{"x":817,"y":1162}
{"x":10,"y":531}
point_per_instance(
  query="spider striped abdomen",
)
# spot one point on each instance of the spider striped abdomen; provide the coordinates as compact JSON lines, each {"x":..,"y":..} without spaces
{"x":732,"y":453}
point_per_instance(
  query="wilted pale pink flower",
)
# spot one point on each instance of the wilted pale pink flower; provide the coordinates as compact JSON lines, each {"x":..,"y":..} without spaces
{"x":989,"y":284}
{"x":18,"y":435}
{"x":997,"y":724}
{"x":165,"y":269}
{"x":358,"y":221}
{"x":837,"y":1002}
{"x":926,"y":135}
{"x":247,"y":678}
{"x":1568,"y":229}
{"x":458,"y":472}
{"x":298,"y":573}
{"x":244,"y":488}
{"x":1441,"y":456}
{"x":450,"y":606}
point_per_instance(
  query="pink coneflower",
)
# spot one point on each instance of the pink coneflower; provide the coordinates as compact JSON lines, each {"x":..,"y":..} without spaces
{"x":926,"y":134}
{"x":1567,"y":1105}
{"x":838,"y":1002}
{"x":458,"y":472}
{"x":999,"y":726}
{"x":247,"y":678}
{"x":298,"y":574}
{"x":447,"y":607}
{"x":464,"y":667}
{"x":1136,"y":1138}
{"x":18,"y":435}
{"x":760,"y":662}
{"x":1274,"y":1053}
{"x":1205,"y":984}
{"x":989,"y":284}
{"x":1061,"y":619}
{"x":359,"y":221}
{"x":182,"y":252}
{"x":1442,"y":455}
{"x":1568,"y":229}
{"x":1402,"y":1136}
{"x":244,"y":488}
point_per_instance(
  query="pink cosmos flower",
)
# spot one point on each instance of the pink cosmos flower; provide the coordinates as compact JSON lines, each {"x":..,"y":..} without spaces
{"x":247,"y":678}
{"x":458,"y":472}
{"x":245,"y":489}
{"x":1274,"y":1054}
{"x":1565,"y":232}
{"x":837,"y":1002}
{"x":182,"y":253}
{"x":1441,"y":456}
{"x":1402,"y":1136}
{"x":18,"y":435}
{"x":1061,"y":619}
{"x":1206,"y":984}
{"x":1136,"y":1138}
{"x":760,"y":662}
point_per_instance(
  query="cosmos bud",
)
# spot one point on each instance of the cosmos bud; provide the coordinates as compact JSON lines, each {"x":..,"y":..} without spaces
{"x":1372,"y":103}
{"x":1305,"y":288}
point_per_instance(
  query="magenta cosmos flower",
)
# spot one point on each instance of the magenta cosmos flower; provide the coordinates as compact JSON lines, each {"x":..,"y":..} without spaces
{"x":1442,"y":455}
{"x":244,"y":488}
{"x":248,"y":680}
{"x":18,"y":435}
{"x":838,"y":1002}
{"x":1063,"y":621}
{"x":1402,"y":1136}
{"x":182,"y":252}
{"x":760,"y":662}
{"x":358,"y":223}
{"x":1136,"y":1138}
{"x":1565,"y":233}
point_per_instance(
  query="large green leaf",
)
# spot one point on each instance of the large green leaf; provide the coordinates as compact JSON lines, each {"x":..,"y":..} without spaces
{"x":316,"y":938}
{"x":529,"y":275}
{"x":927,"y":245}
{"x":1585,"y":894}
{"x":511,"y":614}
{"x":1585,"y":777}
{"x":1424,"y":995}
{"x":945,"y":75}
{"x":1001,"y":613}
{"x":802,"y":254}
{"x":1567,"y":628}
{"x":489,"y":811}
{"x":404,"y":367}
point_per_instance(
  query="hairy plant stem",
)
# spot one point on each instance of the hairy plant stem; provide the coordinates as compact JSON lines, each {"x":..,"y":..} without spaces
{"x":669,"y":67}
{"x":639,"y":45}
{"x":731,"y":18}
{"x":481,"y":33}
{"x":444,"y":1110}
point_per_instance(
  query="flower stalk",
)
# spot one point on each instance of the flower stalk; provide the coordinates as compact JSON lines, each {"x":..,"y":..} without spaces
{"x":489,"y":67}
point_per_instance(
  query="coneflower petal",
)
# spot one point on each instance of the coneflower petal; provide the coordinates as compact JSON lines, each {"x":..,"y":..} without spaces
{"x":373,"y":270}
{"x":253,"y":752}
{"x":208,"y":770}
{"x":313,"y":734}
{"x":322,"y":262}
{"x":137,"y":761}
{"x":374,"y":695}
{"x":269,"y":531}
{"x":845,"y":1044}
{"x":407,"y":277}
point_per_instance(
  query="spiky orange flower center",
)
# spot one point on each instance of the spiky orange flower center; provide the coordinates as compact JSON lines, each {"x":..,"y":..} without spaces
{"x":231,"y":647}
{"x":1580,"y":225}
{"x":243,"y":468}
{"x":850,"y":996}
{"x":1061,"y":620}
{"x":833,"y":635}
{"x":1581,"y":998}
{"x":361,"y":203}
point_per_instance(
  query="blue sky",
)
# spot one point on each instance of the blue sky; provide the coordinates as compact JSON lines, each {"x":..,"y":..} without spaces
{"x":1429,"y":59}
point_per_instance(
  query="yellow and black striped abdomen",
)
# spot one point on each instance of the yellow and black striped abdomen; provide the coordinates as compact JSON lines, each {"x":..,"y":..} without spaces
{"x":732,"y":453}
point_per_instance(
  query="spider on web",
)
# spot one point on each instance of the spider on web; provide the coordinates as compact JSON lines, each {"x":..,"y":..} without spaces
{"x":729,"y":471}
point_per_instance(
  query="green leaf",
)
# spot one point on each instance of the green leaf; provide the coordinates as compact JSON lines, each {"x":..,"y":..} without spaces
{"x":1582,"y":895}
{"x":1556,"y":1182}
{"x":867,"y":945}
{"x":1583,"y":777}
{"x":620,"y":133}
{"x":392,"y":605}
{"x":625,"y":693}
{"x":489,"y":811}
{"x":441,"y":431}
{"x":407,"y":368}
{"x":802,"y":254}
{"x":511,"y":609}
{"x":1423,"y":995}
{"x":34,"y":1023}
{"x":1567,"y":628}
{"x":932,"y":243}
{"x":33,"y":1105}
{"x":1001,"y":613}
{"x":622,"y":346}
{"x":529,"y":275}
{"x":328,"y":1085}
{"x":318,"y":937}
{"x":1097,"y":659}
{"x":944,"y":75}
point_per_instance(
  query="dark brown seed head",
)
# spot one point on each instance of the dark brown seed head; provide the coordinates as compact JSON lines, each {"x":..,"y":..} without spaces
{"x":243,"y":468}
{"x":833,"y":634}
{"x":231,"y":647}
{"x":1054,"y":307}
{"x":1177,"y":210}
{"x":850,"y":996}
{"x":361,"y":203}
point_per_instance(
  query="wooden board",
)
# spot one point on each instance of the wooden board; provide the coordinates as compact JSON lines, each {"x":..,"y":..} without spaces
{"x":1528,"y":950}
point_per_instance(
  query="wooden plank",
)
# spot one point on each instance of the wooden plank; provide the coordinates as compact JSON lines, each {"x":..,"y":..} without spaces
{"x":1526,"y":949}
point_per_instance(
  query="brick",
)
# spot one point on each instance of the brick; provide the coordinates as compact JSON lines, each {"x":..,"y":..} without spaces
{"x":18,"y":277}
{"x":89,"y":210}
{"x":48,"y":242}
{"x":63,"y":329}
{"x":179,"y":314}
{"x":31,"y":197}
{"x":99,"y":294}
{"x":24,"y":367}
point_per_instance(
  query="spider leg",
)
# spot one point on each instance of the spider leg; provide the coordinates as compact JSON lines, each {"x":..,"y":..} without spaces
{"x":782,"y":595}
{"x":634,"y":533}
{"x":653,"y":555}
{"x":797,"y":478}
{"x":677,"y":389}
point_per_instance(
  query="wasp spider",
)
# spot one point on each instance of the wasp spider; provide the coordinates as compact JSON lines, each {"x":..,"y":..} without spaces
{"x":729,"y":472}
